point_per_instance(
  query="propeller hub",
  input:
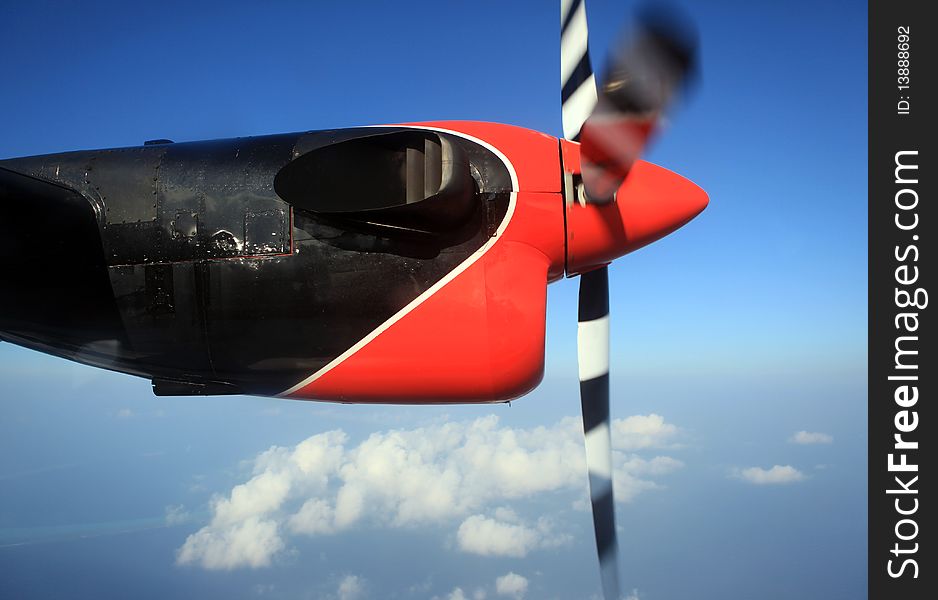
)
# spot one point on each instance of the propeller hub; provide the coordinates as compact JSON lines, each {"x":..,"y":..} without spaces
{"x":650,"y":204}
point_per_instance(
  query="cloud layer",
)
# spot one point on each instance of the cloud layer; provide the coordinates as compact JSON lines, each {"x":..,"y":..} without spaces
{"x":428,"y":475}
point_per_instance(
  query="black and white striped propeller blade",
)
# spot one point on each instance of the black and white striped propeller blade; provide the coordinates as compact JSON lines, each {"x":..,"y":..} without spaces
{"x":593,"y":361}
{"x":578,"y":95}
{"x":577,"y":84}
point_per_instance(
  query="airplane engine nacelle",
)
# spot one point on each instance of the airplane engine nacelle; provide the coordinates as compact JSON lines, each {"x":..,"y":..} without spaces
{"x":401,"y":263}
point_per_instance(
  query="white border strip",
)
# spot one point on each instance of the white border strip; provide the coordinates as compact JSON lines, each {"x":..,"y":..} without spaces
{"x":512,"y":201}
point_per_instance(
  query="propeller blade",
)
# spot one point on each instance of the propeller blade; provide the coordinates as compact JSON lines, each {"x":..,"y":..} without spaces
{"x":593,"y":363}
{"x":643,"y":77}
{"x":578,"y":96}
{"x":577,"y":83}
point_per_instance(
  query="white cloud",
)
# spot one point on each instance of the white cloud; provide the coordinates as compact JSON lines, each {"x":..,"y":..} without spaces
{"x":809,"y":437}
{"x":352,"y":587}
{"x":511,"y":584}
{"x":776,"y":475}
{"x":488,"y":537}
{"x":421,"y":588}
{"x":633,"y":595}
{"x":642,"y":431}
{"x":494,"y":537}
{"x":176,"y":514}
{"x":456,"y":594}
{"x":125,"y":413}
{"x":627,"y":482}
{"x":315,"y":517}
{"x":251,"y":542}
{"x":406,"y":478}
{"x":262,"y":494}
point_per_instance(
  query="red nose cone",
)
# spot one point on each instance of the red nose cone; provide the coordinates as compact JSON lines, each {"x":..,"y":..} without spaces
{"x":651,"y":203}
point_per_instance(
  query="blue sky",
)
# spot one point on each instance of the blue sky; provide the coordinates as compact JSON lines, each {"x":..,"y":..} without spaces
{"x":738,"y":331}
